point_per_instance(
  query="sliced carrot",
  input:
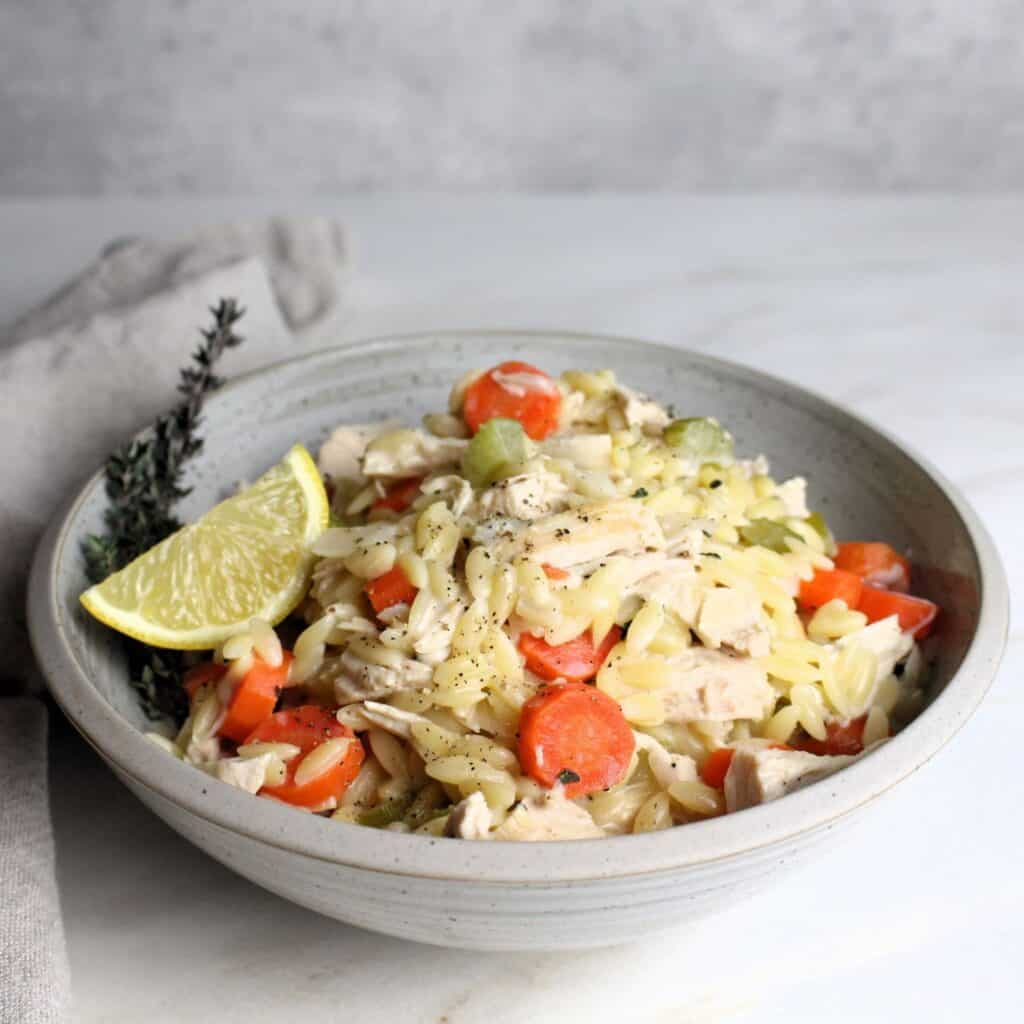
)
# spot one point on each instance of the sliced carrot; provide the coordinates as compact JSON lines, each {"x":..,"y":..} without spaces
{"x":714,"y":770}
{"x":307,"y":727}
{"x":875,"y":563}
{"x":840,"y":738}
{"x":574,"y":734}
{"x":400,"y":496}
{"x":255,"y":697}
{"x":916,"y":614}
{"x":532,"y":398}
{"x":554,"y":573}
{"x":200,"y":675}
{"x":575,"y":661}
{"x":827,"y":585}
{"x":390,"y":589}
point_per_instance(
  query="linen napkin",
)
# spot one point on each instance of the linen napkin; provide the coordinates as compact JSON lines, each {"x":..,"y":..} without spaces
{"x":97,"y":362}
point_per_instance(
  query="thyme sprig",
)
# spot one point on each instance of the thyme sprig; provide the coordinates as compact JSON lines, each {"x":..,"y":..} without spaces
{"x":143,"y":482}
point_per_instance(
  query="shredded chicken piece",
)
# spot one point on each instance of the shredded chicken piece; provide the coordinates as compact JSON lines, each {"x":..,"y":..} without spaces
{"x":356,"y":680}
{"x":393,"y":720}
{"x":454,"y":489}
{"x":885,"y":640}
{"x":758,"y":775}
{"x":585,"y":451}
{"x":734,"y":618}
{"x":405,"y":453}
{"x":340,"y":456}
{"x":469,"y":819}
{"x":640,"y":411}
{"x":525,"y":496}
{"x":198,"y":752}
{"x":548,"y":817}
{"x":665,"y":766}
{"x":246,"y":773}
{"x":586,"y":534}
{"x":713,"y":686}
{"x":675,"y":585}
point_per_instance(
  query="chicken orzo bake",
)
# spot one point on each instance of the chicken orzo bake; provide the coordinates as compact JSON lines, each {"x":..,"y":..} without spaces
{"x":554,"y":611}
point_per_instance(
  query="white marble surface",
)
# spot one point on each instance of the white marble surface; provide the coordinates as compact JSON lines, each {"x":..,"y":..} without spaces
{"x":195,"y":96}
{"x":910,"y":310}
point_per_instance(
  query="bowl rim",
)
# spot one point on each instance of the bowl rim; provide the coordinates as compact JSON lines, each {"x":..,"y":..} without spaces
{"x":700,"y":844}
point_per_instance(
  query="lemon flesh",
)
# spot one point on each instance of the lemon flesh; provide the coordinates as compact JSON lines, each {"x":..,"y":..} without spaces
{"x":247,"y":557}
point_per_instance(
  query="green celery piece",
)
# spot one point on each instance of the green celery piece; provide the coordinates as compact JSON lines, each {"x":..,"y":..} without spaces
{"x":386,"y":813}
{"x":768,"y":533}
{"x":700,"y":436}
{"x":497,"y":444}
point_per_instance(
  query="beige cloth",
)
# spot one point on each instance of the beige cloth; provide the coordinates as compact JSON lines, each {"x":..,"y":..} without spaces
{"x":95,"y":364}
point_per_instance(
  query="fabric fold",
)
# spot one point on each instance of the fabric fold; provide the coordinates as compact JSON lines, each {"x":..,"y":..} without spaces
{"x":93,"y":365}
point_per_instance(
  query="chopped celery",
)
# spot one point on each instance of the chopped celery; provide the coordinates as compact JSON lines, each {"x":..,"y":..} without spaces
{"x":768,"y":533}
{"x":702,"y":437}
{"x":386,"y":813}
{"x":497,"y":444}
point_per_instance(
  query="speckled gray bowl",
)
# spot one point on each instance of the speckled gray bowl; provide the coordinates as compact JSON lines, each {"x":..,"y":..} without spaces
{"x":531,"y":896}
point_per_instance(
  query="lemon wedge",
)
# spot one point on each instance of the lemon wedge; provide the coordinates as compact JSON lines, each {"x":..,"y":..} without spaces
{"x":247,"y":557}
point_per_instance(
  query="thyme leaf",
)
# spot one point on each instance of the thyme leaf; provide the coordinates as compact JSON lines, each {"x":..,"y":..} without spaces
{"x":144,"y":483}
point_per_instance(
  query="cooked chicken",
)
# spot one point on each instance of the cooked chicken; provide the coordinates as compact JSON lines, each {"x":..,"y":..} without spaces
{"x":347,"y":619}
{"x":665,"y":766}
{"x":454,"y":489}
{"x":432,"y":639}
{"x":526,"y":496}
{"x":685,"y":537}
{"x":356,"y":680}
{"x":714,"y":686}
{"x":761,"y":774}
{"x":586,"y":534}
{"x":641,"y":411}
{"x":734,"y":618}
{"x":469,"y":819}
{"x":405,"y":453}
{"x":548,"y":817}
{"x":793,"y":495}
{"x":393,"y":720}
{"x":585,"y":451}
{"x":492,"y":530}
{"x":340,"y":456}
{"x":198,"y":752}
{"x":247,"y":773}
{"x":888,"y":643}
{"x":676,"y":585}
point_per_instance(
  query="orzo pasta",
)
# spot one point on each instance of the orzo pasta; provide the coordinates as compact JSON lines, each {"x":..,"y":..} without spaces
{"x":556,"y":612}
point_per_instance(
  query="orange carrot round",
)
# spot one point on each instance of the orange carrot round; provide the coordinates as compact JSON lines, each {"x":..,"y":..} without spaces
{"x":574,"y":734}
{"x":827,"y":585}
{"x":532,"y":398}
{"x":255,"y":697}
{"x":400,"y":495}
{"x":574,"y":661}
{"x":875,"y":563}
{"x":390,"y":589}
{"x":916,"y":614}
{"x":307,"y":727}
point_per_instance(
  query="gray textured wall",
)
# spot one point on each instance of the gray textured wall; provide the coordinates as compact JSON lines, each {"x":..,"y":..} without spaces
{"x":130,"y":96}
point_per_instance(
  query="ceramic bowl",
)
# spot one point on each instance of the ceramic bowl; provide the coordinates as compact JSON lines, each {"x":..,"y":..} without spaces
{"x":532,"y":896}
